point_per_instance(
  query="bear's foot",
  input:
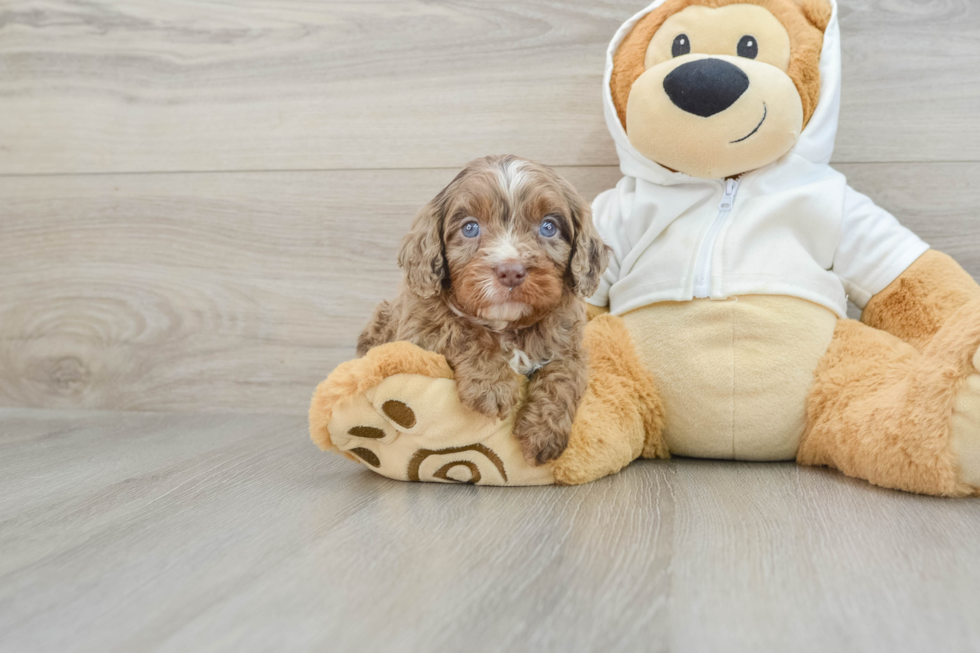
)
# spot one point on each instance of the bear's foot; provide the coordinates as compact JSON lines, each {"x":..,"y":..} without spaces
{"x":898,"y":417}
{"x":965,"y":427}
{"x":397,"y":412}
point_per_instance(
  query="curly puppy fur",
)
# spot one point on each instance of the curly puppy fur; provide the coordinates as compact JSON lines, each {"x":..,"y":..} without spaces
{"x":502,"y":296}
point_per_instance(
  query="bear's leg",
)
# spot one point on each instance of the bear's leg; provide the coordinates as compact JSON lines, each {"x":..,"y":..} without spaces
{"x":621,"y":415}
{"x":898,"y":417}
{"x":396,"y":410}
{"x":922,"y":300}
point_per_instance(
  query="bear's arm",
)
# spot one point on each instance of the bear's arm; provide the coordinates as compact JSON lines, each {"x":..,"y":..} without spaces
{"x":917,"y":304}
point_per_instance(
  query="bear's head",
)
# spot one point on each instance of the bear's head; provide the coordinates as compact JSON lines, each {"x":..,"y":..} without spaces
{"x":717,"y":88}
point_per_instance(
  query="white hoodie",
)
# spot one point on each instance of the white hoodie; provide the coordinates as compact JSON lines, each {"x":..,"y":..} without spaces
{"x":791,"y":228}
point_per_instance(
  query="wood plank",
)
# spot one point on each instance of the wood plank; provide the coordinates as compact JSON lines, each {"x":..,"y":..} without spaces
{"x":215,"y":292}
{"x":780,"y":558}
{"x":125,"y":532}
{"x":142,"y":85}
{"x":905,"y":95}
{"x":228,"y":292}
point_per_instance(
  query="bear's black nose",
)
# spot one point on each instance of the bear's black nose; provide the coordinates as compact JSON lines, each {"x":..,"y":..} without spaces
{"x":706,"y":86}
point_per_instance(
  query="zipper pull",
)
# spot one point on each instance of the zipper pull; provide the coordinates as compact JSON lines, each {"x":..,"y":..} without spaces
{"x":728,"y":201}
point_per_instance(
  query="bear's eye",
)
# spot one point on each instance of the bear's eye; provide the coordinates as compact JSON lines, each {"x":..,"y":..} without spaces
{"x":682,"y":46}
{"x":748,"y":47}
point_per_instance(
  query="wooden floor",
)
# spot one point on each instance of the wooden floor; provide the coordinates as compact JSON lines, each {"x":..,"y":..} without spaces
{"x":200,"y":202}
{"x":134,"y":532}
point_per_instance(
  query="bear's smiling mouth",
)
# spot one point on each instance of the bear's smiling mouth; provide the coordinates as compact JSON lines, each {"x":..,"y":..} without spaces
{"x":765,"y":114}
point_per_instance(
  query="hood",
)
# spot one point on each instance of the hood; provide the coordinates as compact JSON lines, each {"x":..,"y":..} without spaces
{"x":816,"y":143}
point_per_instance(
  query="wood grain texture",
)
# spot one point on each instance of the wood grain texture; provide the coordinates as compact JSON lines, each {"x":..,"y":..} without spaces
{"x":235,"y":292}
{"x":216,"y":292}
{"x":142,"y":532}
{"x":241,"y":291}
{"x":145,"y":85}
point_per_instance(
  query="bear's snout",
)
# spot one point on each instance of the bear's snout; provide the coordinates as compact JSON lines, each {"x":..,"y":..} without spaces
{"x":706,"y":87}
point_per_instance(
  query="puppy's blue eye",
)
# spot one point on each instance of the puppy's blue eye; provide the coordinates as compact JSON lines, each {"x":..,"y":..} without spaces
{"x":471,"y":229}
{"x":548,"y":228}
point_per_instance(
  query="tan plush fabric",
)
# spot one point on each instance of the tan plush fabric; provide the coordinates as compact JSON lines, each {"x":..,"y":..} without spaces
{"x":621,"y":416}
{"x":397,"y":411}
{"x":593,"y":312}
{"x":804,"y":22}
{"x":733,"y":375}
{"x":728,"y":379}
{"x":917,"y":304}
{"x":669,"y":139}
{"x":965,"y":428}
{"x":354,"y":377}
{"x":915,"y":308}
{"x":883,"y":411}
{"x":446,"y":442}
{"x":770,"y":110}
{"x":709,"y":33}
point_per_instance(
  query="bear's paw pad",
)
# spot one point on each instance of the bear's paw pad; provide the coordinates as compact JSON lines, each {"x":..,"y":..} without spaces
{"x":414,"y":428}
{"x":965,"y":430}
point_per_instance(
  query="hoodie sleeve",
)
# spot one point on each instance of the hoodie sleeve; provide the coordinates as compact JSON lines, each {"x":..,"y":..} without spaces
{"x":607,"y":216}
{"x":874,"y":249}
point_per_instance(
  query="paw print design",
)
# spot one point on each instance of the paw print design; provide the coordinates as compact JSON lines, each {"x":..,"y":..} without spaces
{"x":397,"y":412}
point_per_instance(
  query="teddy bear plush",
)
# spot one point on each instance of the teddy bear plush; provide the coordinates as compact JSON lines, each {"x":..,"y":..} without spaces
{"x":719,"y":329}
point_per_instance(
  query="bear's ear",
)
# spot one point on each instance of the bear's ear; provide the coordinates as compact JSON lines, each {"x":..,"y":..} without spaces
{"x":817,"y":12}
{"x":629,"y":60}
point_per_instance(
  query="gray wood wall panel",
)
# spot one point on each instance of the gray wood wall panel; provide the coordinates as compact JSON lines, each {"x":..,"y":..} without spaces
{"x":145,"y":85}
{"x":240,"y":291}
{"x":200,"y":202}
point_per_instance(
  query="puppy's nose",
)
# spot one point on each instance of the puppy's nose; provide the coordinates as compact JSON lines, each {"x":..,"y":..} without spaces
{"x":706,"y":86}
{"x":511,"y":274}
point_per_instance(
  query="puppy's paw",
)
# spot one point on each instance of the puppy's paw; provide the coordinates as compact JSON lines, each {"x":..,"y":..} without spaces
{"x":541,"y":440}
{"x":489,"y":399}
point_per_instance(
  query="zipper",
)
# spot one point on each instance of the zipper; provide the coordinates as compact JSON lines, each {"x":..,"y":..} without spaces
{"x":702,"y":274}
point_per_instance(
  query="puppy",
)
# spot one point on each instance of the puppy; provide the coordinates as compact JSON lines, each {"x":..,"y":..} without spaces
{"x":495,"y":269}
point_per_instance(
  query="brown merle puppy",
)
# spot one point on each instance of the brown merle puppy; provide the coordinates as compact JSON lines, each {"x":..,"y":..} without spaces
{"x":496,"y":267}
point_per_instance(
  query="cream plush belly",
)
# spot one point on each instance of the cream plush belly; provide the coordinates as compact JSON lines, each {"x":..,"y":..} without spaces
{"x":733,"y":375}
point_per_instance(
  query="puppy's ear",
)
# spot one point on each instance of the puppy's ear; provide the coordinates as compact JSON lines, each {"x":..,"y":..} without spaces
{"x":422,"y":253}
{"x":589,"y":255}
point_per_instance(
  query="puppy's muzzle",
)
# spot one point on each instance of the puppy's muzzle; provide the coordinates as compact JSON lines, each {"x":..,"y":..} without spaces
{"x":706,"y":87}
{"x":511,"y":274}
